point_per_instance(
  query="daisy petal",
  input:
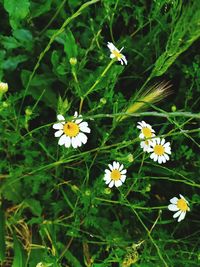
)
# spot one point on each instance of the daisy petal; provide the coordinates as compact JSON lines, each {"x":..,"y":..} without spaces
{"x":174,"y":200}
{"x":110,"y":166}
{"x":114,"y":165}
{"x":67,"y":142}
{"x":58,"y":126}
{"x":173,"y":207}
{"x":117,"y":165}
{"x":111,"y":184}
{"x":123,"y":171}
{"x":60,"y":117}
{"x":83,"y":138}
{"x":62,"y":140}
{"x":177,"y":214}
{"x":108,"y":181}
{"x":182,"y":216}
{"x":107,"y":171}
{"x":118,"y":183}
{"x":74,"y":142}
{"x":58,"y":133}
{"x":123,"y":178}
{"x":121,"y":167}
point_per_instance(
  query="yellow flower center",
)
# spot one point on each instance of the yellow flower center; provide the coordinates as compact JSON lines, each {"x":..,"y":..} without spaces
{"x":115,"y":175}
{"x":147,"y":142}
{"x":182,"y":205}
{"x":159,"y":150}
{"x":71,"y":129}
{"x":117,"y":54}
{"x":146,"y":132}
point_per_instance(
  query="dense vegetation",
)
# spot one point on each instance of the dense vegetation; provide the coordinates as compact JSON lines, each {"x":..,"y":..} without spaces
{"x":55,"y":207}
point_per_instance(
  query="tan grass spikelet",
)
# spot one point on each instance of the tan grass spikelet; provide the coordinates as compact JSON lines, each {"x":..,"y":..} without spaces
{"x":152,"y":95}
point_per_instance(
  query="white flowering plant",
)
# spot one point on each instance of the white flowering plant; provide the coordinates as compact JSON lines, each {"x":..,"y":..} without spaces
{"x":99,"y":108}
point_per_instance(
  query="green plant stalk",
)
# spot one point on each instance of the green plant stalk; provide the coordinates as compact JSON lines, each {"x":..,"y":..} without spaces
{"x":95,"y":84}
{"x":99,"y":79}
{"x":42,"y":54}
{"x":2,"y":236}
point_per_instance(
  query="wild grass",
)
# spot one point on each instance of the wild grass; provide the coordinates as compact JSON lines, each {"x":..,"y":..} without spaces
{"x":55,"y":208}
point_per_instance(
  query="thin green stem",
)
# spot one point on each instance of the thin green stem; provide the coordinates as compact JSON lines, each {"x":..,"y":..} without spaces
{"x":99,"y":79}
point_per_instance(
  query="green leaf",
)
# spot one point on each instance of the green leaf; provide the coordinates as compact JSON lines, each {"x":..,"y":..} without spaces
{"x":19,"y":257}
{"x":9,"y":42}
{"x":34,"y":205}
{"x":67,"y":40}
{"x":24,"y":37}
{"x":2,"y":236}
{"x":41,"y":8}
{"x":70,"y":46}
{"x":12,"y":62}
{"x":72,"y":259}
{"x":185,"y":32}
{"x":18,"y":10}
{"x":41,"y":86}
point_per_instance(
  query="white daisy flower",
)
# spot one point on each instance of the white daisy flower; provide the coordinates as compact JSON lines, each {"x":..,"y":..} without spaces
{"x":146,"y":145}
{"x":115,"y":53}
{"x":180,"y":205}
{"x":116,"y":175}
{"x":146,"y":133}
{"x":160,"y":150}
{"x":71,"y":133}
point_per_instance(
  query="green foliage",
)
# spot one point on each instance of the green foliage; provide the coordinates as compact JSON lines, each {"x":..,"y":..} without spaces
{"x":56,"y":209}
{"x":2,"y":236}
{"x":184,"y":33}
{"x":18,"y":10}
{"x":19,"y":258}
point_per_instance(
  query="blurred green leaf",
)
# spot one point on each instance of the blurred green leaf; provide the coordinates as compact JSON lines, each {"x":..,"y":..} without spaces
{"x":9,"y":42}
{"x":12,"y":62}
{"x":24,"y":37}
{"x":2,"y":236}
{"x":18,"y":10}
{"x":37,"y":9}
{"x":34,"y":206}
{"x":19,"y":256}
{"x":67,"y":40}
{"x":41,"y":86}
{"x":70,"y":46}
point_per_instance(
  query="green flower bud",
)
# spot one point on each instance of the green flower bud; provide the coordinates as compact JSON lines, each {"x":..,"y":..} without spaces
{"x":103,"y":101}
{"x":5,"y":104}
{"x":28,"y":112}
{"x":130,"y":158}
{"x":88,"y":192}
{"x":3,"y":88}
{"x":107,"y":191}
{"x":173,"y":108}
{"x":73,"y":61}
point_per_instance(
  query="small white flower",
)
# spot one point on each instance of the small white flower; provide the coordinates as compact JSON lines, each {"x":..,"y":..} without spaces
{"x":116,"y":175}
{"x":146,"y":130}
{"x":146,"y":145}
{"x":160,"y":150}
{"x":71,"y":133}
{"x":115,"y":53}
{"x":146,"y":133}
{"x":180,"y":205}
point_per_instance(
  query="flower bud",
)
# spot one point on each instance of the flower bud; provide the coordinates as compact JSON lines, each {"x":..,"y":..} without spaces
{"x":107,"y":191}
{"x":73,"y":61}
{"x":3,"y":87}
{"x":130,"y":158}
{"x":103,"y":101}
{"x":173,"y":108}
{"x":28,"y":112}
